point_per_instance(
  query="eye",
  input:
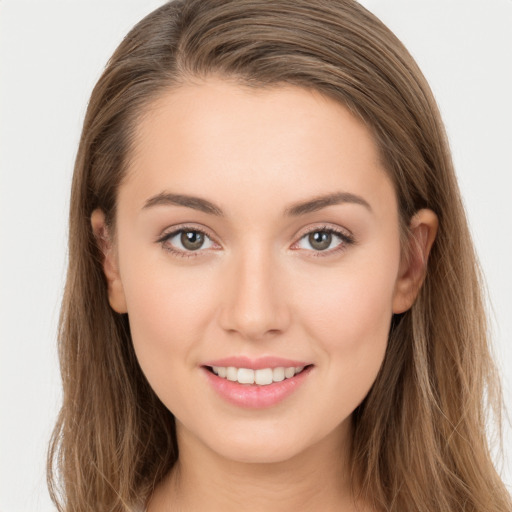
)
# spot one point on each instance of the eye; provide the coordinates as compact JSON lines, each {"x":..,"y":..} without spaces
{"x":325,"y":239}
{"x":183,"y":241}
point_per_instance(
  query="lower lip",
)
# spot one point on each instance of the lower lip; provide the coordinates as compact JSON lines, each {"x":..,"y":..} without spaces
{"x":253,"y":396}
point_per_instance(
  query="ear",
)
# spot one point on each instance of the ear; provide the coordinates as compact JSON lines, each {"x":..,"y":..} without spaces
{"x":413,"y":267}
{"x":110,"y":265}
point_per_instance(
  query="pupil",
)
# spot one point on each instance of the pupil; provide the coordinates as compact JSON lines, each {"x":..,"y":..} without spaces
{"x":192,"y":240}
{"x":320,"y":240}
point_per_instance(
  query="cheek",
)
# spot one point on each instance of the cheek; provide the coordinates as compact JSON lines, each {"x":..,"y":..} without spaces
{"x":168,"y":308}
{"x":349,"y":318}
{"x":342,"y":309}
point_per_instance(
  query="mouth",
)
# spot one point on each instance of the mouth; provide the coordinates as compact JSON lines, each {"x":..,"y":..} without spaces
{"x":256,"y":383}
{"x":259,"y":377}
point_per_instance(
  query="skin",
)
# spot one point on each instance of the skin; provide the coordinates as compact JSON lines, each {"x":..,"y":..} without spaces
{"x":259,"y":287}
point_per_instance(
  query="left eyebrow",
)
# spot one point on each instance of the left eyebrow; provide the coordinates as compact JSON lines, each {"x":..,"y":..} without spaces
{"x":324,"y":201}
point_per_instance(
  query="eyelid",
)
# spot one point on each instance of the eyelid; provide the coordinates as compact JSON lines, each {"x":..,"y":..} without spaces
{"x":324,"y":226}
{"x":173,"y":230}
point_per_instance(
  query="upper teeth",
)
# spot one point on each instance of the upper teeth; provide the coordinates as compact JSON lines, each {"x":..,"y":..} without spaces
{"x":262,"y":377}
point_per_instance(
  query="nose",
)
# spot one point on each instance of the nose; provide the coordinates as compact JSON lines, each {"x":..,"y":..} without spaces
{"x":255,"y":301}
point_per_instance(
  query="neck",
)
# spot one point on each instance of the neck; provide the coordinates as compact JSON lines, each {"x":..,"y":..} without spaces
{"x":317,"y":479}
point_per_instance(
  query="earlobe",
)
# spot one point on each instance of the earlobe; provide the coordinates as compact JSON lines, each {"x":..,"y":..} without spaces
{"x":423,"y":230}
{"x":110,"y":265}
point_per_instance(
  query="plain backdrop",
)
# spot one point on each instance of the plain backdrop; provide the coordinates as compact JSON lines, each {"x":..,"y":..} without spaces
{"x":51,"y":54}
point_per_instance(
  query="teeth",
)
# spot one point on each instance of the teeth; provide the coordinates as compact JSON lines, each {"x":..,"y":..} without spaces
{"x":278,"y":374}
{"x":245,"y":376}
{"x":261,"y":377}
{"x":289,"y":372}
{"x":231,"y":373}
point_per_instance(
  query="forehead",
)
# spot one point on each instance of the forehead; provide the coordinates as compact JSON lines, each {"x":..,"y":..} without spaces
{"x":264,"y":144}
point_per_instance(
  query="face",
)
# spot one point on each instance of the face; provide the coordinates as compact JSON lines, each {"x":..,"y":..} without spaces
{"x":257,"y":238}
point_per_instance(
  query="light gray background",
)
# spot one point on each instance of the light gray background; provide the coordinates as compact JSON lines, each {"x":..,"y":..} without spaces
{"x":51,"y":54}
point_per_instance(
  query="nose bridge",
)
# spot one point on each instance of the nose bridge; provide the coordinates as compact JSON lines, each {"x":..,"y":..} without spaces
{"x":255,"y":304}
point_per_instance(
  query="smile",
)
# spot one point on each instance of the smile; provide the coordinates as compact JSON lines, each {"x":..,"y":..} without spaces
{"x":260,"y":377}
{"x":256,"y":388}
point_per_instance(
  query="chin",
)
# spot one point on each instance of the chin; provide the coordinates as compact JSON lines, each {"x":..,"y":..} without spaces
{"x":257,"y":453}
{"x":265,"y":446}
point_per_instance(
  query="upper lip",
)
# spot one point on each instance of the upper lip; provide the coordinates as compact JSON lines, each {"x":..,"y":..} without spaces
{"x":257,"y":363}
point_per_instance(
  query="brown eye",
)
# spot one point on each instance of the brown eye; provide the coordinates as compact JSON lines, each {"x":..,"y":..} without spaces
{"x":320,"y":240}
{"x":183,"y":241}
{"x":325,"y":240}
{"x":192,"y":240}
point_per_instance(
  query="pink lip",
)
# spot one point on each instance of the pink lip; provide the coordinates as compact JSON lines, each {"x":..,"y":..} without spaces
{"x":253,"y":396}
{"x":255,"y":364}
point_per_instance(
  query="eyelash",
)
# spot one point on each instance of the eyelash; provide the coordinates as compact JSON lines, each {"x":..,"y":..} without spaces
{"x":346,"y":240}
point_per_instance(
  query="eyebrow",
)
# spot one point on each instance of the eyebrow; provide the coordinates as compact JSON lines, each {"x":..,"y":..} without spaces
{"x":294,"y":210}
{"x":319,"y":202}
{"x":197,"y":203}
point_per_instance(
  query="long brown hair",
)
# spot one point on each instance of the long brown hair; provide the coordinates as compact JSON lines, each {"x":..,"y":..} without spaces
{"x":419,"y":438}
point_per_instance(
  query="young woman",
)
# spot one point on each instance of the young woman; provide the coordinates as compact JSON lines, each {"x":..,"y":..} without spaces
{"x":272,"y":299}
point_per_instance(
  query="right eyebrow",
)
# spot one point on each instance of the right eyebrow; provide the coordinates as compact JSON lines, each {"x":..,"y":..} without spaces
{"x":197,"y":203}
